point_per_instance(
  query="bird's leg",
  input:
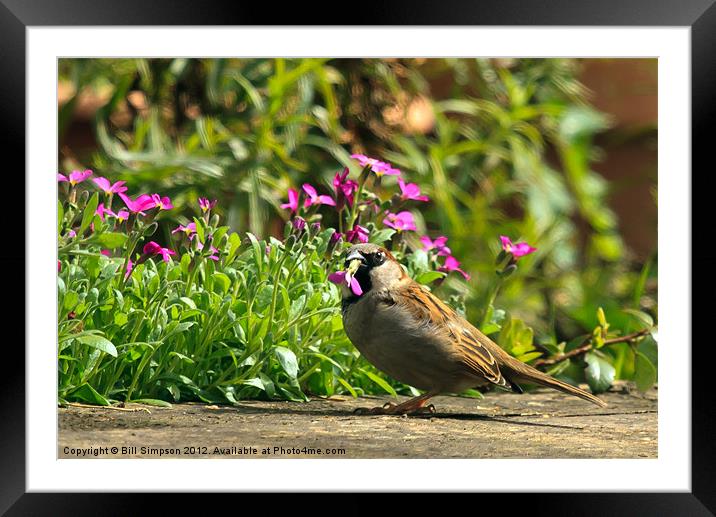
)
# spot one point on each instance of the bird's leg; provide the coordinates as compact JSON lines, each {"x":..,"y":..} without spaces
{"x":412,"y":406}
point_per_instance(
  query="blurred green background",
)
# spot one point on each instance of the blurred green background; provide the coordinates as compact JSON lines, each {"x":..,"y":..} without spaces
{"x":558,"y":152}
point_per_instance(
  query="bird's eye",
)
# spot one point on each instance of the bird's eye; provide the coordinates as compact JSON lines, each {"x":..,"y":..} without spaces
{"x":378,"y":258}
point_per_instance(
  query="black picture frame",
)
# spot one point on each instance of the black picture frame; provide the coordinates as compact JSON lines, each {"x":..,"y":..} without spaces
{"x":700,"y":15}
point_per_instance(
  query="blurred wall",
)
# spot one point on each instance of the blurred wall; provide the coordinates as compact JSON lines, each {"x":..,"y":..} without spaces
{"x":627,"y":89}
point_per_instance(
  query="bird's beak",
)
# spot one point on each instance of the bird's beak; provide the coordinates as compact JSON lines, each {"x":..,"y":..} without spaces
{"x":355,"y":256}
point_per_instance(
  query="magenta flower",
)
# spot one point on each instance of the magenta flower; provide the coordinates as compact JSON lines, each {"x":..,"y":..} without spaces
{"x":335,"y":239}
{"x":130,"y":267}
{"x":143,"y":202}
{"x":314,"y":198}
{"x":517,"y":250}
{"x":343,"y":277}
{"x":298,"y":223}
{"x":163,"y":203}
{"x":410,"y":191}
{"x":292,"y":200}
{"x":106,"y":253}
{"x":380,"y":168}
{"x":437,"y":244}
{"x":358,"y":233}
{"x":75,"y":177}
{"x":401,"y":221}
{"x":59,"y":266}
{"x":152,"y":248}
{"x":72,"y":234}
{"x":188,"y":229}
{"x":214,"y":251}
{"x":451,"y":264}
{"x":206,"y":205}
{"x":122,"y":215}
{"x":101,"y":211}
{"x":345,"y":188}
{"x":109,"y":188}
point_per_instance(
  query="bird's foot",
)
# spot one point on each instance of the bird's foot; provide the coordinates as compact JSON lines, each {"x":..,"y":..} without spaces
{"x":409,"y":408}
{"x":385,"y":409}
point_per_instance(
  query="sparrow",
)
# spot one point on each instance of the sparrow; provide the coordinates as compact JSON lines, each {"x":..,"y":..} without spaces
{"x":414,"y":337}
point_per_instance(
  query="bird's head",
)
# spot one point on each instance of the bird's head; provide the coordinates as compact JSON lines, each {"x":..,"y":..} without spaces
{"x":373,"y":267}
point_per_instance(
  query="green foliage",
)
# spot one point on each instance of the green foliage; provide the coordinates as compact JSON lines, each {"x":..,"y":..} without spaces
{"x":508,"y":151}
{"x":261,"y":321}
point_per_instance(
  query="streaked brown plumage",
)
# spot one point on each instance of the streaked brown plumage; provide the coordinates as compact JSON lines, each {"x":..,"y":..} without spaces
{"x":414,"y":337}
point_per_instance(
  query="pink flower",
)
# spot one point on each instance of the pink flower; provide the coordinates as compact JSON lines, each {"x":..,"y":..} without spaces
{"x":401,"y":221}
{"x":345,"y":188}
{"x":143,"y":202}
{"x":214,"y":251}
{"x":517,"y":250}
{"x":292,"y":200}
{"x":380,"y":168}
{"x":72,"y":234}
{"x":451,"y":264}
{"x":75,"y":177}
{"x":410,"y":191}
{"x":343,"y":277}
{"x":106,"y":253}
{"x":298,"y":223}
{"x":437,"y":244}
{"x":335,"y":239}
{"x":59,"y":266}
{"x":108,"y":188}
{"x":206,"y":205}
{"x":358,"y":233}
{"x":188,"y":229}
{"x":314,"y":198}
{"x":152,"y":248}
{"x":163,"y":203}
{"x":130,"y":266}
{"x":101,"y":210}
{"x":122,"y":215}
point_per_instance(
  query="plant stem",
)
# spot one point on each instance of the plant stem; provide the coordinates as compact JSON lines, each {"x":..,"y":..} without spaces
{"x":491,"y":300}
{"x":356,"y":200}
{"x":587,"y":346}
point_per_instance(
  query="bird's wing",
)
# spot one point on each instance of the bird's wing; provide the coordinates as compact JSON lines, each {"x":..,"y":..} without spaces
{"x":428,"y":310}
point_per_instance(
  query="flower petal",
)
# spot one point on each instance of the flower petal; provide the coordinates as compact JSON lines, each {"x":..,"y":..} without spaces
{"x":355,"y":287}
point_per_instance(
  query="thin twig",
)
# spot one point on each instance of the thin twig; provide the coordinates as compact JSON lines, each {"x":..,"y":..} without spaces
{"x":115,"y":408}
{"x":587,"y":346}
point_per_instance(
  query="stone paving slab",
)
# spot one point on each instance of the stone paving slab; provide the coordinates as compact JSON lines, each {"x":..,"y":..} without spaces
{"x":539,"y":424}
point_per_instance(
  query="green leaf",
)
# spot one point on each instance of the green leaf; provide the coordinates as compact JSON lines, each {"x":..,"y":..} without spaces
{"x":599,"y":373}
{"x":288,"y":361}
{"x":120,"y":318}
{"x":152,"y":402}
{"x":381,"y":236}
{"x":222,"y":281}
{"x":429,"y":276}
{"x":71,"y":300}
{"x":258,"y":254}
{"x":111,"y":240}
{"x":98,"y":342}
{"x":200,"y":229}
{"x":641,"y":316}
{"x":86,"y":393}
{"x":60,"y":217}
{"x":347,"y":386}
{"x":644,"y":372}
{"x":255,"y":382}
{"x":89,"y":213}
{"x":601,"y":317}
{"x":380,"y":382}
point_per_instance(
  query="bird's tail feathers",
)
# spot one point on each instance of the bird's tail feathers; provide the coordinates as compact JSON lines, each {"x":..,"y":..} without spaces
{"x":525,"y":373}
